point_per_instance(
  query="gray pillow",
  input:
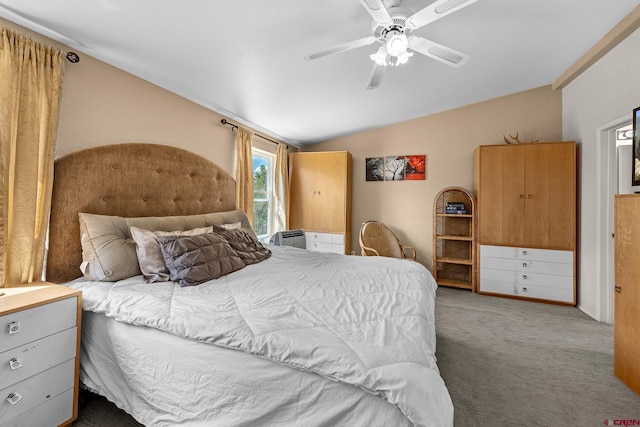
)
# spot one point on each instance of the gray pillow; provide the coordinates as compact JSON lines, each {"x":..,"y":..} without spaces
{"x":192,"y":260}
{"x":248,"y":248}
{"x":149,"y":253}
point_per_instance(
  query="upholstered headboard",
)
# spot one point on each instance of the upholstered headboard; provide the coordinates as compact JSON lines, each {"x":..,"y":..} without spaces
{"x":128,"y":180}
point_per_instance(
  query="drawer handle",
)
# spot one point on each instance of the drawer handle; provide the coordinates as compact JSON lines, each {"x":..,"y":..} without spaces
{"x":14,"y":398}
{"x":524,"y":276}
{"x":14,"y":328}
{"x":524,"y":289}
{"x":524,"y":264}
{"x":15,"y":363}
{"x":524,"y":252}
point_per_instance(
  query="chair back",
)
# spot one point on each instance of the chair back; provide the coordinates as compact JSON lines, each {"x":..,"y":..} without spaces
{"x":377,"y":239}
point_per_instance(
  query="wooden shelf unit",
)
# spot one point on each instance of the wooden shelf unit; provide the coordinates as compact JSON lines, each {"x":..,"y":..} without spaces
{"x":454,"y":240}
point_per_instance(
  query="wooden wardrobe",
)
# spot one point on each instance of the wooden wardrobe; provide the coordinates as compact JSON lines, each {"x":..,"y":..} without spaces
{"x":320,"y":199}
{"x":626,"y":321}
{"x":527,"y":210}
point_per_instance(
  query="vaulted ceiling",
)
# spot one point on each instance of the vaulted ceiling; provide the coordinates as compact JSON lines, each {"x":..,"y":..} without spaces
{"x":246,"y":60}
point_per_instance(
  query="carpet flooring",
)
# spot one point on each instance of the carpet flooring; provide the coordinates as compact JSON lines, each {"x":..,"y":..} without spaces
{"x":505,"y":363}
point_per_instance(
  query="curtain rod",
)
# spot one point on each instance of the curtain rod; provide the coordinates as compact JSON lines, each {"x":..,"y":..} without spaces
{"x":226,"y":122}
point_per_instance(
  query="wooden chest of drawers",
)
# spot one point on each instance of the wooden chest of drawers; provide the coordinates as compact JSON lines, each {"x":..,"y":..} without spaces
{"x":39,"y":355}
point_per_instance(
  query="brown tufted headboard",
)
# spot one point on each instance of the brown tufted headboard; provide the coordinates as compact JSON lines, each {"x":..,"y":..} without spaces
{"x":128,"y":180}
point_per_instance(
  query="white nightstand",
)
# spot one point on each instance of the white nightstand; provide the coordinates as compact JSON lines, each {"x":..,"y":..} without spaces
{"x":39,"y":355}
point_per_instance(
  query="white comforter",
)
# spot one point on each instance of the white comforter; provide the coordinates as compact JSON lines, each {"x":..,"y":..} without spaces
{"x":365,"y":321}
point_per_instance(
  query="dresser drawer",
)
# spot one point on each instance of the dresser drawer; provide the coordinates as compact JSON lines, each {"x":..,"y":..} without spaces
{"x":527,"y":290}
{"x":53,"y":412}
{"x":37,"y":356}
{"x":545,"y":292}
{"x":516,"y":277}
{"x":549,"y":255}
{"x":37,"y":322}
{"x":37,"y":390}
{"x":325,"y":242}
{"x":528,"y":266}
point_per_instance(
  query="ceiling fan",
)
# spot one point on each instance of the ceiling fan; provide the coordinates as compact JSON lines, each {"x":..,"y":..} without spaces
{"x":392,"y":27}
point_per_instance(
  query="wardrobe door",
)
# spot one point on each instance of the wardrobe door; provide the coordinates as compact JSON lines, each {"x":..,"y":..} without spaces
{"x":550,"y":183}
{"x":329,"y":201}
{"x":500,"y":195}
{"x":303,"y":179}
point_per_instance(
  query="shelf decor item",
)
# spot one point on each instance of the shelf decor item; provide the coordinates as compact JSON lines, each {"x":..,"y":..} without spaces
{"x":454,"y":239}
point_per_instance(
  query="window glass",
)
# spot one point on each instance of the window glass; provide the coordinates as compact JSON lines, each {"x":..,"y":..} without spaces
{"x":263,"y":167}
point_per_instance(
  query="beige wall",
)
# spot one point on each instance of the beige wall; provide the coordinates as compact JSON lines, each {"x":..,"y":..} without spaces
{"x":594,"y":104}
{"x":103,"y":105}
{"x":448,"y":139}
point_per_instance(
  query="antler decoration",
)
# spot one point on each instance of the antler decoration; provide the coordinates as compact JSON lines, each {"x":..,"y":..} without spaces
{"x":515,"y":139}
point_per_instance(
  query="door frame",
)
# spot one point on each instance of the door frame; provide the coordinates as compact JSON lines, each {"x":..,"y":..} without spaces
{"x":606,"y":175}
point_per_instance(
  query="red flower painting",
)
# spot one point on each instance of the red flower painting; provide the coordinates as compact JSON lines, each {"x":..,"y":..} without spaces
{"x":416,"y":167}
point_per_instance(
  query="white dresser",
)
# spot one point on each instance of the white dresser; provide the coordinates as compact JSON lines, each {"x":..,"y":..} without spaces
{"x":325,"y":242}
{"x":524,"y":272}
{"x":39,"y":355}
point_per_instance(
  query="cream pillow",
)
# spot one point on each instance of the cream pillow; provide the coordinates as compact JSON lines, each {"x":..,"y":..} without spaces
{"x":149,"y":254}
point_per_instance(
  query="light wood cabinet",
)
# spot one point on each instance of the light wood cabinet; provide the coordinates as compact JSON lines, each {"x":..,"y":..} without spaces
{"x":39,"y":355}
{"x":454,"y":240}
{"x":626,"y":336}
{"x":320,"y":193}
{"x":526,"y":199}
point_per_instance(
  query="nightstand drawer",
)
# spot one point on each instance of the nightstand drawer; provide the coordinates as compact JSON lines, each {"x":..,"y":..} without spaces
{"x":37,"y":390}
{"x":53,"y":412}
{"x":37,"y":322}
{"x":27,"y":360}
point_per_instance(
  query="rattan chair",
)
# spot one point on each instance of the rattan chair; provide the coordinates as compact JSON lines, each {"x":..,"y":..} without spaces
{"x":376,"y":239}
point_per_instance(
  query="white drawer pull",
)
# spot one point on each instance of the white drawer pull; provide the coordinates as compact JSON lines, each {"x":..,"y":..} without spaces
{"x":524,"y":289}
{"x":14,"y":398}
{"x":14,"y":328}
{"x":524,"y":264}
{"x":15,"y":363}
{"x":524,"y":276}
{"x":524,"y":252}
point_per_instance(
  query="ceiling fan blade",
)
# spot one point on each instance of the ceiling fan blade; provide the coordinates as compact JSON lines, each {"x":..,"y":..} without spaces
{"x":365,"y":41}
{"x":439,"y":52}
{"x":377,"y":73}
{"x":378,"y":11}
{"x":435,"y":11}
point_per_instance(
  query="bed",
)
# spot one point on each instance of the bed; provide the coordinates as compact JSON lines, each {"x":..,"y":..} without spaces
{"x":295,"y":338}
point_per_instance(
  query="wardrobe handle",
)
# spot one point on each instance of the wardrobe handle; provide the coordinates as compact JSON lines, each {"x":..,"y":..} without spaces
{"x":522,"y":196}
{"x":529,"y":196}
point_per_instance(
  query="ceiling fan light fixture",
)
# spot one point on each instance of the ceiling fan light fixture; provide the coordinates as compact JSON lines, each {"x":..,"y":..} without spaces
{"x":380,"y":57}
{"x":397,"y":45}
{"x":402,"y":59}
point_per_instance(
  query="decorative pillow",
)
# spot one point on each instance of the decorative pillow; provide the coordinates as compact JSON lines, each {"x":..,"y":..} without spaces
{"x":234,"y":226}
{"x":149,"y":253}
{"x":248,"y":248}
{"x":109,"y":252}
{"x":192,"y":260}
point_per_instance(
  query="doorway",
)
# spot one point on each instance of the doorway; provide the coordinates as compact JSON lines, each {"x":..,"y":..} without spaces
{"x":614,"y":176}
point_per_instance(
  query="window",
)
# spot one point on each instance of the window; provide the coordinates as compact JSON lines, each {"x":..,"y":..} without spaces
{"x":263,"y":178}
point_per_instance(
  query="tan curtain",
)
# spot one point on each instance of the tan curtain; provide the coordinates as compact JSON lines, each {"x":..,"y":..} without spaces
{"x":30,"y":81}
{"x":281,"y":188}
{"x":244,"y":172}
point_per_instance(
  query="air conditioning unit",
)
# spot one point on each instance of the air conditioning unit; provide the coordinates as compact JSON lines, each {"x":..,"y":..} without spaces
{"x":293,"y":238}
